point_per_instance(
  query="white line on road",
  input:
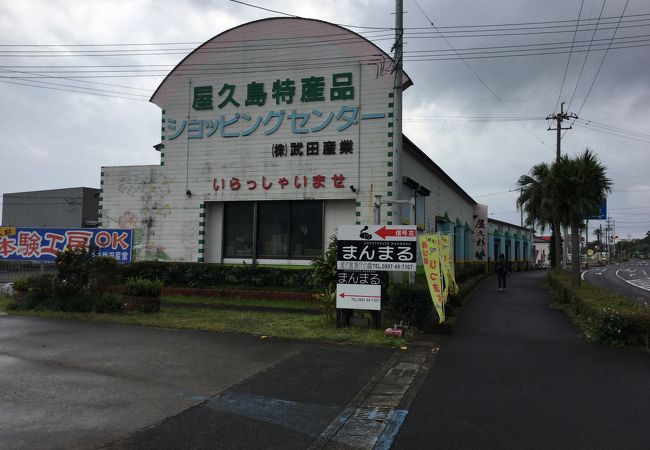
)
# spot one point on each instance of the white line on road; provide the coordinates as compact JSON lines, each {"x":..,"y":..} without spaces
{"x":641,"y":284}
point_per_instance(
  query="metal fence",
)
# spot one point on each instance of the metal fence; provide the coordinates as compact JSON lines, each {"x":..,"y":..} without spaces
{"x":10,"y":270}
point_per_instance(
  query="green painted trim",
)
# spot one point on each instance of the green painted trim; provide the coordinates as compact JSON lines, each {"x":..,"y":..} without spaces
{"x":390,"y":144}
{"x":389,"y":213}
{"x":202,"y":214}
{"x":390,"y":134}
{"x":358,"y":222}
{"x":391,"y":105}
{"x":390,"y":183}
{"x":390,"y":222}
{"x":201,"y":259}
{"x":389,"y":154}
{"x":163,"y":120}
{"x":358,"y":204}
{"x":162,"y":138}
{"x":390,"y":95}
{"x":201,"y":232}
{"x":390,"y":164}
{"x":390,"y":124}
{"x":201,"y":241}
{"x":201,"y":250}
{"x":202,"y":205}
{"x":162,"y":163}
{"x":201,"y":224}
{"x":389,"y":193}
{"x":358,"y":213}
{"x":390,"y":114}
{"x":389,"y":174}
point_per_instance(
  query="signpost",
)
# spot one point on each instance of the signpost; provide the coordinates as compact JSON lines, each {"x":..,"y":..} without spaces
{"x":362,"y":252}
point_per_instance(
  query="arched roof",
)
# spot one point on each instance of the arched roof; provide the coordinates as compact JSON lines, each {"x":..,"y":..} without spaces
{"x":279,"y":27}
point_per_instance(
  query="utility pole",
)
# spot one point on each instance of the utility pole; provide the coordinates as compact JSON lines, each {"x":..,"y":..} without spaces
{"x":559,"y":118}
{"x":397,"y":110}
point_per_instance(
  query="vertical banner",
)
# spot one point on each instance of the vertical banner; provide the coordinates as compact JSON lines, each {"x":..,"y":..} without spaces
{"x":480,"y":233}
{"x":447,"y":266}
{"x":429,"y":246}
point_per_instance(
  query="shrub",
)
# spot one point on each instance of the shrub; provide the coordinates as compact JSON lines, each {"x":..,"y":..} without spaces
{"x":40,"y":291}
{"x":107,"y":303}
{"x":104,"y":272}
{"x":209,"y":275}
{"x":141,"y":287}
{"x":411,"y":304}
{"x":602,"y":316}
{"x":21,"y":284}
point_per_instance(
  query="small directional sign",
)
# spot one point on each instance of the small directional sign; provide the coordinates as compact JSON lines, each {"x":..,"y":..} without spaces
{"x":358,"y":296}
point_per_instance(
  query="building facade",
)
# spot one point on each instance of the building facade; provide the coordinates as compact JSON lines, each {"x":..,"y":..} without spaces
{"x":55,"y":208}
{"x":274,"y":133}
{"x":512,"y":241}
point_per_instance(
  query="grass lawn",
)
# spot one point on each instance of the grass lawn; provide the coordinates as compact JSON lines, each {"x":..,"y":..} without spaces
{"x":263,"y":324}
{"x":288,"y":304}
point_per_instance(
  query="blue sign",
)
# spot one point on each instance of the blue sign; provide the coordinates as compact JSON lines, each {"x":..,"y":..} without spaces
{"x":602,"y":212}
{"x":43,"y":244}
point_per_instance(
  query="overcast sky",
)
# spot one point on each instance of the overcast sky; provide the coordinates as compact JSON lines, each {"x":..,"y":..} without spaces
{"x":479,"y":117}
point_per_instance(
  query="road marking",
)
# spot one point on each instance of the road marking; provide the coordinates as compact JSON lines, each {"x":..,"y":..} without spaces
{"x":641,"y":284}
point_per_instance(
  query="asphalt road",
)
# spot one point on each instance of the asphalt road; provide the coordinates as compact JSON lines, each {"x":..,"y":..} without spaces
{"x":75,"y":385}
{"x":516,"y":375}
{"x":631,"y":279}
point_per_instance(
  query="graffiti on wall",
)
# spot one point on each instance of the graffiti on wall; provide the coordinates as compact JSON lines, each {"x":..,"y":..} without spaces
{"x":151,"y":190}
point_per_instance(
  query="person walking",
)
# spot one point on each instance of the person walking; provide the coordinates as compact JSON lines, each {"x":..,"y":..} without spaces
{"x":501,"y":269}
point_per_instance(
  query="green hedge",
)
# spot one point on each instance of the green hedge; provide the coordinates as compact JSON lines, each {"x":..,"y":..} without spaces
{"x":602,"y":315}
{"x":207,"y":275}
{"x":142,"y":287}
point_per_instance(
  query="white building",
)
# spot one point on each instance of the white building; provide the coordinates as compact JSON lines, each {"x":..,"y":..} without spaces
{"x":274,"y":133}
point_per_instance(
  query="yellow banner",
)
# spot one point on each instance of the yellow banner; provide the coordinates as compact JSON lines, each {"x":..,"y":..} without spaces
{"x":7,"y":231}
{"x":448,"y":271}
{"x":429,"y":246}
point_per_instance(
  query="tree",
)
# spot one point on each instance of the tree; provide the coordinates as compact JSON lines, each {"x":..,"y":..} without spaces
{"x":580,"y":185}
{"x":536,"y":200}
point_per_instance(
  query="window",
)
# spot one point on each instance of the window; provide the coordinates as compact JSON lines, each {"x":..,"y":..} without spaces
{"x":284,"y":230}
{"x":238,"y":230}
{"x":273,"y":229}
{"x":306,"y":229}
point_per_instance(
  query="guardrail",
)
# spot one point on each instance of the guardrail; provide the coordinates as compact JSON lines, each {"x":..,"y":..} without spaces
{"x":10,"y":270}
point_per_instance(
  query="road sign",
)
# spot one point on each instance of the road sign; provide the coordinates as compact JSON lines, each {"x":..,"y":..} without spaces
{"x":377,"y":248}
{"x":358,"y":296}
{"x":602,"y":212}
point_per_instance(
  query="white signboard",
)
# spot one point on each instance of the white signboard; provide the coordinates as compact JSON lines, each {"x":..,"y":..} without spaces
{"x":377,"y":247}
{"x":358,"y":296}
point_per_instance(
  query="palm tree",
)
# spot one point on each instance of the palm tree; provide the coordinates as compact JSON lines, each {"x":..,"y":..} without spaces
{"x":580,"y":187}
{"x":535,"y":198}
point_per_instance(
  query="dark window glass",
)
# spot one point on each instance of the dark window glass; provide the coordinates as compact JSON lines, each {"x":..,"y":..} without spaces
{"x":273,"y":230}
{"x":306,"y":229}
{"x":238,"y":230}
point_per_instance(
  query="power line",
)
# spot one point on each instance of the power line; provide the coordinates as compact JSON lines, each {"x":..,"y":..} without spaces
{"x":584,"y":62}
{"x":568,"y":61}
{"x":476,"y":74}
{"x":602,"y":62}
